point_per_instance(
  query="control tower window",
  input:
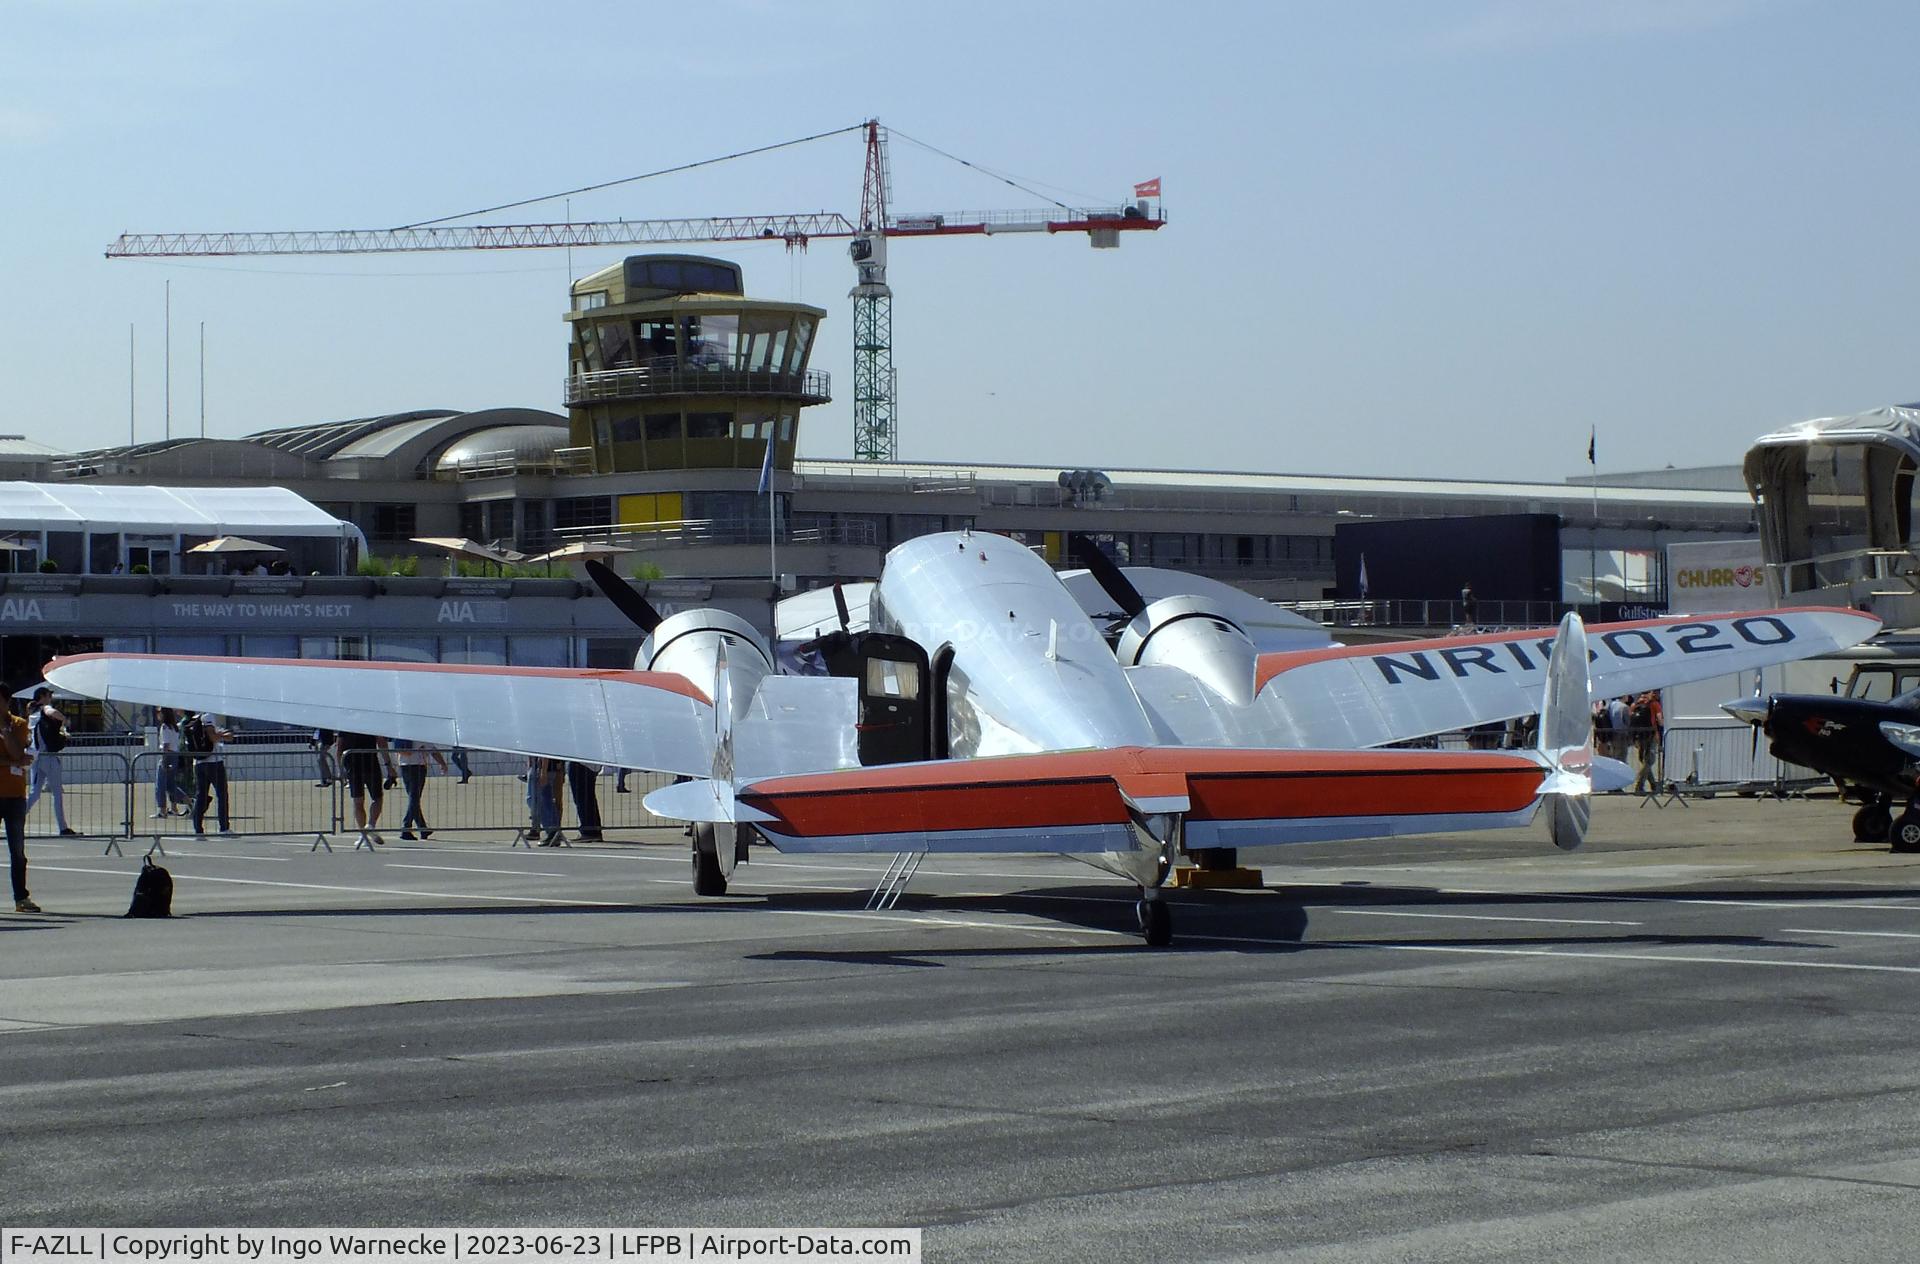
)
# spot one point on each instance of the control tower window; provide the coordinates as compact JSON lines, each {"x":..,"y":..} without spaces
{"x":763,"y":340}
{"x":616,"y":345}
{"x":708,"y":425}
{"x":590,"y":300}
{"x":654,"y":338}
{"x":710,"y":340}
{"x":662,"y":426}
{"x":802,"y":339}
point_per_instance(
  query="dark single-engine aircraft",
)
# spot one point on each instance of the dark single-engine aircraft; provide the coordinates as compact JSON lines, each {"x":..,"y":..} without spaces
{"x":978,"y":708}
{"x":1870,"y":749}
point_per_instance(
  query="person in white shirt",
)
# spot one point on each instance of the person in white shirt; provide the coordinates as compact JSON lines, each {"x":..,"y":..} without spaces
{"x":170,"y":796}
{"x":44,"y":722}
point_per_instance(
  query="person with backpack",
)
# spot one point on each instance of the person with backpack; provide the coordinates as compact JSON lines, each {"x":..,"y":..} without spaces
{"x":49,"y":737}
{"x":16,"y":756}
{"x":201,"y":738}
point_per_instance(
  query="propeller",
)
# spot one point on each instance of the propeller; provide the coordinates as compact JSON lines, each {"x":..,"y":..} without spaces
{"x":1110,"y":577}
{"x":840,"y":608}
{"x":622,"y":595}
{"x":1751,"y":711}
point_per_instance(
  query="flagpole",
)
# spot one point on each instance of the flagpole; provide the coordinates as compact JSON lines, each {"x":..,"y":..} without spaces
{"x":1593,"y":534}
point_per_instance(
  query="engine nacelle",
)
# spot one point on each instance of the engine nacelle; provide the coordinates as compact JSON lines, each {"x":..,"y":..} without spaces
{"x":1187,"y":633}
{"x":688,"y":644}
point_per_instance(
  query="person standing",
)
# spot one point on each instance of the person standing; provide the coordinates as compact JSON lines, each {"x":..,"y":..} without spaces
{"x":581,"y":780}
{"x":202,"y":738}
{"x":48,"y":728}
{"x":170,"y":797}
{"x":1617,"y":710}
{"x":543,"y":799}
{"x":323,"y":757}
{"x":16,"y":756}
{"x":1646,"y":720}
{"x":413,"y":775}
{"x":361,"y":761}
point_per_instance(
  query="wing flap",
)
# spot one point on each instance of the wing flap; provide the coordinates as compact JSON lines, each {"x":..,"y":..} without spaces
{"x":629,"y":719}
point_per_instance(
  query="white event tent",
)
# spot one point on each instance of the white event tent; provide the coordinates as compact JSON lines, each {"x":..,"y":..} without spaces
{"x":91,"y":528}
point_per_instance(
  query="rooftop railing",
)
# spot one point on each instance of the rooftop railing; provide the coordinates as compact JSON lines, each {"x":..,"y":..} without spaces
{"x":694,"y":375}
{"x":506,"y":462}
{"x":686,"y":532}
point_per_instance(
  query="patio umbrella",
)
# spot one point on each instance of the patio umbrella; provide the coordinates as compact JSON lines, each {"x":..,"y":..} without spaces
{"x":227,"y":544}
{"x":460,"y":546}
{"x":578,"y":551}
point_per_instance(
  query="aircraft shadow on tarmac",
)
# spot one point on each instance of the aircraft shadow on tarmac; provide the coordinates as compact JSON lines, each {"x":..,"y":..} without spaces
{"x":1274,"y":920}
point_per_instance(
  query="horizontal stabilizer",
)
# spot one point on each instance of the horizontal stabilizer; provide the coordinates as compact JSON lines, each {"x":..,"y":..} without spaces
{"x":1088,"y":801}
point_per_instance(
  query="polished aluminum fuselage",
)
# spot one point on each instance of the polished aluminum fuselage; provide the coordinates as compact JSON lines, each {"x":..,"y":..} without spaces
{"x":1030,"y":670}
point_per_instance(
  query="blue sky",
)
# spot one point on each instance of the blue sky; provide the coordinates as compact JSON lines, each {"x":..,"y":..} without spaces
{"x":1406,"y":238}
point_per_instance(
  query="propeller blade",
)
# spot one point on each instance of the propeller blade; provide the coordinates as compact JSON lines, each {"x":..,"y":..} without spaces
{"x":1110,"y":577}
{"x":840,"y":608}
{"x":622,"y":595}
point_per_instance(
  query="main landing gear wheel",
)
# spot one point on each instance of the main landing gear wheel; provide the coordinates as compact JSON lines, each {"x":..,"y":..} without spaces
{"x":1906,"y":832}
{"x":1156,"y":922}
{"x":1870,"y":823}
{"x":708,"y":878}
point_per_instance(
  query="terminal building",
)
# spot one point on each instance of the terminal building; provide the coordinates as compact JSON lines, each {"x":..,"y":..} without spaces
{"x":679,"y":390}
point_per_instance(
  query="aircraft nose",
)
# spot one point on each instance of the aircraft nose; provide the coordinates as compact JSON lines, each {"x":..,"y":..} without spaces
{"x":1747,"y":710}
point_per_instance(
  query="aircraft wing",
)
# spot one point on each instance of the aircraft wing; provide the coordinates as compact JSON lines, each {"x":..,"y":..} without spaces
{"x":628,"y":719}
{"x":1360,"y":696}
{"x":1084,"y":801}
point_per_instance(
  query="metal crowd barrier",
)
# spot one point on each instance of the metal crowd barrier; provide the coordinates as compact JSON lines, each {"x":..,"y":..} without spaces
{"x":111,"y":794}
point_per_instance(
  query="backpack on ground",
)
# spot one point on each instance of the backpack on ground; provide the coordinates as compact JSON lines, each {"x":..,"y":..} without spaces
{"x":152,"y":892}
{"x":53,"y":734}
{"x":195,"y":739}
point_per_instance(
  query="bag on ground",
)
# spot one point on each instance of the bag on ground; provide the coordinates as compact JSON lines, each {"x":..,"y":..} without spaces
{"x":152,"y":892}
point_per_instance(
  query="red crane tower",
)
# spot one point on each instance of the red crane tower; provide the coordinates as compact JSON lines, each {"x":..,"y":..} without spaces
{"x":875,"y":430}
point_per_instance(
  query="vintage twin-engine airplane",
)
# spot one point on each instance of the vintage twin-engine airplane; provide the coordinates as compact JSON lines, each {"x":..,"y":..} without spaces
{"x":1870,"y":749}
{"x":978,"y":708}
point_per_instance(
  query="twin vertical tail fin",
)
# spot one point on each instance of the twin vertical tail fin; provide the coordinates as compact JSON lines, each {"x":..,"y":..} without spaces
{"x":1566,"y":737}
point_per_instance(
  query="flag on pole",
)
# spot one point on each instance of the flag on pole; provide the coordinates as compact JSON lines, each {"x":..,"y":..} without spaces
{"x":1592,"y":431}
{"x":1147,"y":188}
{"x":1363,"y":577}
{"x":766,"y":467}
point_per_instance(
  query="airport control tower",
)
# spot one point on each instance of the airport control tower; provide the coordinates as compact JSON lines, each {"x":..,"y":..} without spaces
{"x":673,"y":368}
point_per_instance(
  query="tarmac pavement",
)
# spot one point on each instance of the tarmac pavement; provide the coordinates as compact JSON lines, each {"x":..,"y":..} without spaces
{"x":1691,"y":1040}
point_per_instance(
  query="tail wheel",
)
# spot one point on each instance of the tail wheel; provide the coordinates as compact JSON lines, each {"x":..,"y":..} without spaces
{"x":1906,"y":832}
{"x":708,"y":878}
{"x":1870,"y":823}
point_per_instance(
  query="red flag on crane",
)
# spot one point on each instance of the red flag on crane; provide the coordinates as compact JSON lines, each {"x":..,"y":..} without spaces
{"x":1149,"y":188}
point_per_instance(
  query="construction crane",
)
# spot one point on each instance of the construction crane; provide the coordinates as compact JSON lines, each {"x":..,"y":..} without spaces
{"x":876,"y":433}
